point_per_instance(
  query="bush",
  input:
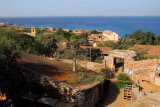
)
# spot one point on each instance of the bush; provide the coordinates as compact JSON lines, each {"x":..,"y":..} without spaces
{"x":123,"y":77}
{"x":85,"y":79}
{"x":98,"y":61}
{"x":107,"y":73}
{"x":120,"y":84}
{"x":128,"y":83}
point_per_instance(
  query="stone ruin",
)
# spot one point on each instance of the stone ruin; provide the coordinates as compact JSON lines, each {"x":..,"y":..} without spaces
{"x":127,"y":56}
{"x":146,"y":70}
{"x":157,"y":75}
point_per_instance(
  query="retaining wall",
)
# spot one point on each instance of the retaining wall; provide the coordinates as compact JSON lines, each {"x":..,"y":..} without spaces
{"x":83,"y":96}
{"x":84,"y":64}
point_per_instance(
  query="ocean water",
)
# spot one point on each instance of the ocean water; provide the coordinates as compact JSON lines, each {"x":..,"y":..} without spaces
{"x":120,"y":25}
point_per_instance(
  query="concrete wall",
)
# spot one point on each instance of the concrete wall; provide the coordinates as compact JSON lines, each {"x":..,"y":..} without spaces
{"x":89,"y":95}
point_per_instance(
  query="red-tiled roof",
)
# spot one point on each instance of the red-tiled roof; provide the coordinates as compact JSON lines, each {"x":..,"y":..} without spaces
{"x":99,"y":35}
{"x":20,"y":28}
{"x":108,"y":32}
{"x":144,"y":64}
{"x":91,"y":37}
{"x":78,"y":31}
{"x":150,"y":49}
{"x":67,"y":30}
{"x":104,"y":50}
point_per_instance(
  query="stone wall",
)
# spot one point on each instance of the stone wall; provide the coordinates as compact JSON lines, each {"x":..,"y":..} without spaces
{"x":83,"y":64}
{"x":144,"y":69}
{"x":126,"y":55}
{"x":83,"y":96}
{"x":144,"y":99}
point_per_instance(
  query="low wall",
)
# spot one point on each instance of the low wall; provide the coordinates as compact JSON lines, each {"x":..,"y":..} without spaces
{"x":83,"y":96}
{"x":84,"y":64}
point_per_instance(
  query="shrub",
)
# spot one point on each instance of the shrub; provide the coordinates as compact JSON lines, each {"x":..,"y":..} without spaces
{"x":107,"y":73}
{"x":123,"y":77}
{"x":98,"y":61}
{"x":85,"y":79}
{"x":127,"y":83}
{"x":152,"y":92}
{"x":120,"y":84}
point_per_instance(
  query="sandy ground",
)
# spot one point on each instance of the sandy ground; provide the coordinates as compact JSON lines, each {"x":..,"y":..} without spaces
{"x":149,"y":87}
{"x":114,"y":97}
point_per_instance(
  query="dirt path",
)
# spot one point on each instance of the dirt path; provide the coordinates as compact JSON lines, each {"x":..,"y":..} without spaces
{"x":148,"y":87}
{"x":114,"y":97}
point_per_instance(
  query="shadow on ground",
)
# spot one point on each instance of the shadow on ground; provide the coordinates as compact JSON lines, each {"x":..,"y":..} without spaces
{"x":110,"y":95}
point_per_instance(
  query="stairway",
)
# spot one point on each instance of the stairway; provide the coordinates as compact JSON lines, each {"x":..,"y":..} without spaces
{"x":127,"y":92}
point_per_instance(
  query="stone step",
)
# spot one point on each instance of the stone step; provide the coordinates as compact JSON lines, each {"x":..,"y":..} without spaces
{"x":47,"y":101}
{"x":61,"y":104}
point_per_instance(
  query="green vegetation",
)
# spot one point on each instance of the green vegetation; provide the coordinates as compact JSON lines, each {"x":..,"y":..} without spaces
{"x":152,"y":91}
{"x":137,"y":38}
{"x":107,"y":73}
{"x":87,"y":78}
{"x":49,"y":44}
{"x":17,"y":40}
{"x":122,"y":80}
{"x":9,"y":77}
{"x":94,"y":32}
{"x":99,"y":60}
{"x":144,"y":55}
{"x":91,"y":77}
{"x":93,"y":52}
{"x":45,"y":43}
{"x":27,"y":30}
{"x":73,"y":43}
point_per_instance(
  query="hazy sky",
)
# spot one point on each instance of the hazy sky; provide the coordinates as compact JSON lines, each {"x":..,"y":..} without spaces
{"x":12,"y":8}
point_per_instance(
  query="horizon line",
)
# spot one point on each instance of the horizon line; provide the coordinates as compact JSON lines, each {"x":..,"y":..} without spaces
{"x":74,"y":16}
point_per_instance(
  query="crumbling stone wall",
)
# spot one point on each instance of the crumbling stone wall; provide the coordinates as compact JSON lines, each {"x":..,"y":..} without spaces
{"x":85,"y":64}
{"x":84,"y":96}
{"x":144,"y":69}
{"x":126,"y":55}
{"x":147,"y":74}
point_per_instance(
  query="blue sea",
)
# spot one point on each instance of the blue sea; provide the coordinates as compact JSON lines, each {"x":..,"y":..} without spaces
{"x":120,"y":25}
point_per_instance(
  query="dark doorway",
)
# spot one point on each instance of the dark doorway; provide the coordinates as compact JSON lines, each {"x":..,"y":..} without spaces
{"x":118,"y":64}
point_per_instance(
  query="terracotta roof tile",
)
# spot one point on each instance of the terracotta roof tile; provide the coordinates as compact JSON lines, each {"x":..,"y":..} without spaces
{"x":150,"y":49}
{"x":104,"y":50}
{"x":97,"y":35}
{"x":144,"y":64}
{"x":108,"y":32}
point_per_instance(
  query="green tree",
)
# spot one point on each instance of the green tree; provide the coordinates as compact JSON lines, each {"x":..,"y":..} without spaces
{"x":74,"y":45}
{"x":48,"y":43}
{"x":27,"y":30}
{"x":94,"y":32}
{"x":151,"y":39}
{"x":158,"y":40}
{"x":126,"y":35}
{"x":94,"y":53}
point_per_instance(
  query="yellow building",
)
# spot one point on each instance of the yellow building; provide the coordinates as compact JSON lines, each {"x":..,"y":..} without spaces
{"x":33,"y":32}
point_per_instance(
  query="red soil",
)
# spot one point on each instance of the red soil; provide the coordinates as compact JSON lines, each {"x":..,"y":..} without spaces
{"x":60,"y":72}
